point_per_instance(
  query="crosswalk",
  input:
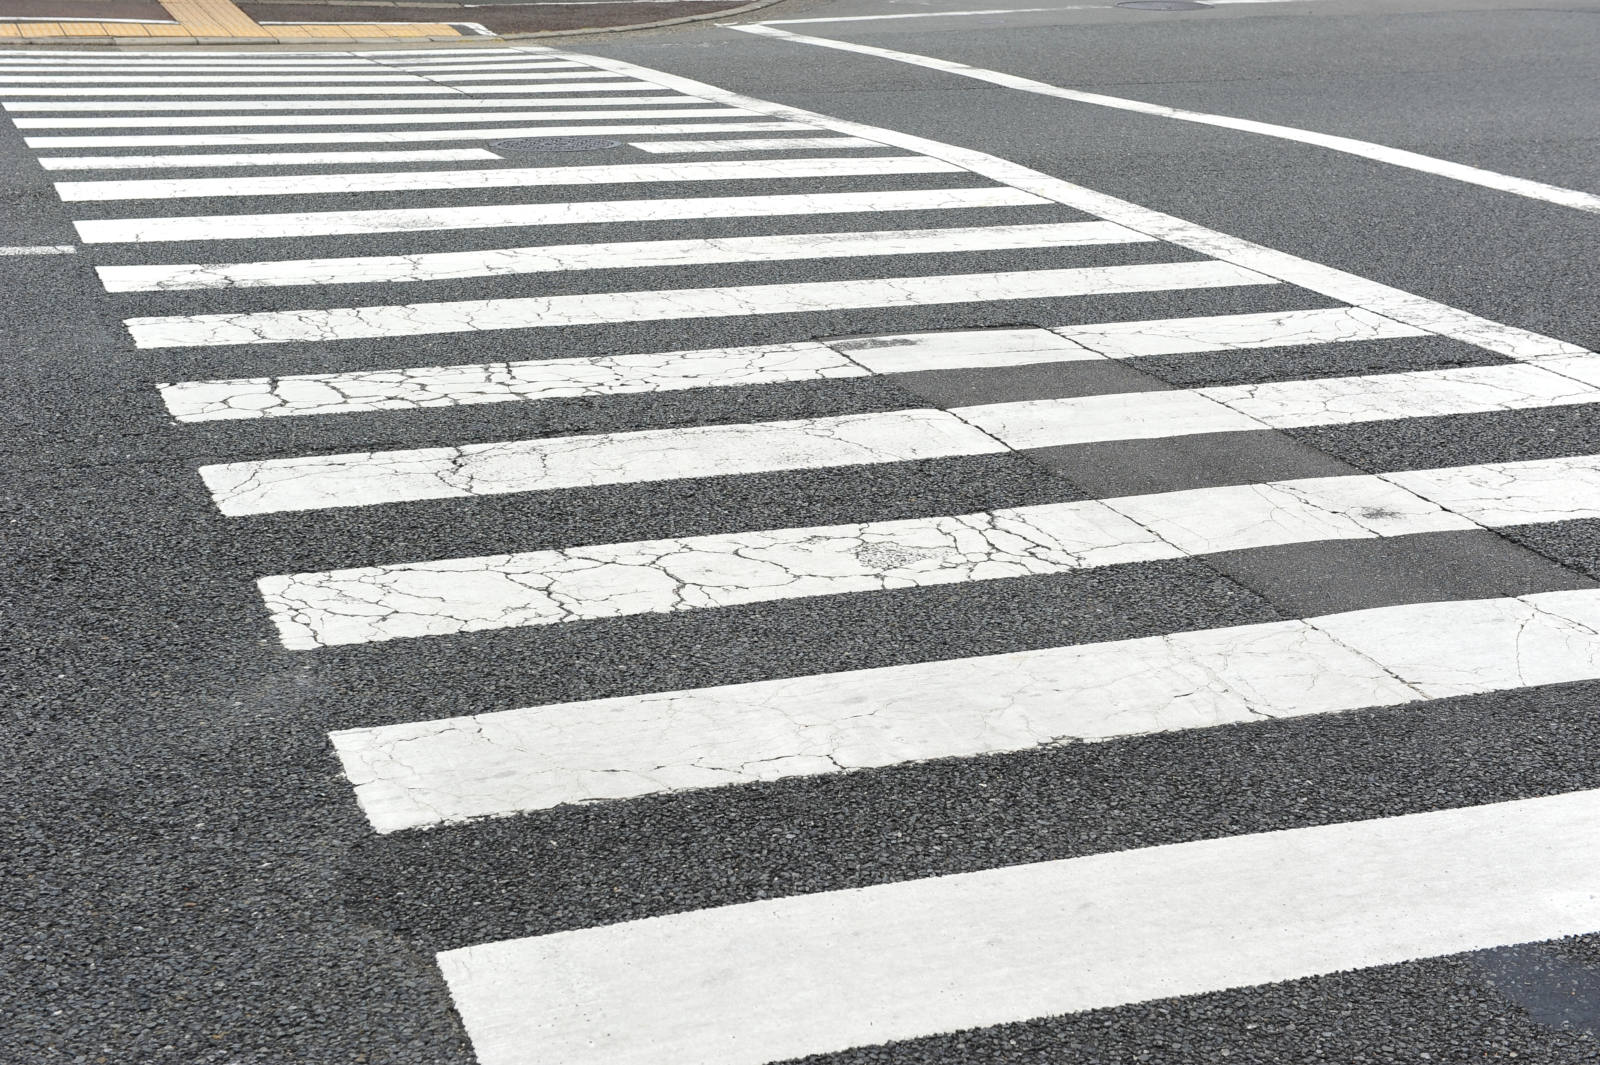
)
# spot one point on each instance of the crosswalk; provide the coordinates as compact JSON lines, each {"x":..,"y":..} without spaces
{"x":824,"y":300}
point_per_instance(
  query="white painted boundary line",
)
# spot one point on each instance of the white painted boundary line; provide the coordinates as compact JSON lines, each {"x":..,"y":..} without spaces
{"x":810,"y":974}
{"x":487,"y":106}
{"x":39,"y":249}
{"x":376,"y":603}
{"x":414,"y":220}
{"x":421,"y":774}
{"x":1336,"y":284}
{"x":424,"y":89}
{"x":630,"y":254}
{"x":914,"y":14}
{"x":508,"y":177}
{"x":602,"y":308}
{"x":1471,"y":175}
{"x":434,"y":386}
{"x":151,"y":162}
{"x":401,"y":136}
{"x":753,"y":144}
{"x":299,"y":78}
{"x":392,"y":119}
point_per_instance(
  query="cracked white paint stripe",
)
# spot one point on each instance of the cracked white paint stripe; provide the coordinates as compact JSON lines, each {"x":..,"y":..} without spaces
{"x":375,"y":603}
{"x":472,"y":383}
{"x":395,"y":136}
{"x":753,"y":144}
{"x":390,"y":119}
{"x":465,"y":316}
{"x":142,"y":106}
{"x":450,"y":386}
{"x":809,"y":974}
{"x":139,"y":162}
{"x":1280,"y":405}
{"x":413,"y":220}
{"x":420,"y":774}
{"x":632,"y":254}
{"x":509,"y":177}
{"x":1336,"y":284}
{"x":364,"y":479}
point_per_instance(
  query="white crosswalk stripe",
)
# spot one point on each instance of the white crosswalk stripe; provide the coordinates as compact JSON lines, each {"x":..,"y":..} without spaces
{"x":1072,"y":308}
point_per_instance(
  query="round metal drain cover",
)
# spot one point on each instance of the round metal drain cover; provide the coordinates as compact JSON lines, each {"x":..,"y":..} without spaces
{"x":555,"y":144}
{"x":1164,"y":5}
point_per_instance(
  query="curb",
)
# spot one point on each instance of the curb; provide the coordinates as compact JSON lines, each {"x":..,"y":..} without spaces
{"x":337,"y":46}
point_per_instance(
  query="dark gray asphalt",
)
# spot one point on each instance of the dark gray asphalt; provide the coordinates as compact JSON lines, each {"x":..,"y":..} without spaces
{"x":188,"y":879}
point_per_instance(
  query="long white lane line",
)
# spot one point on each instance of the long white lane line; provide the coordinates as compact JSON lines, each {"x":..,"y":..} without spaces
{"x":1428,"y":164}
{"x":152,"y":162}
{"x":474,"y":383}
{"x":508,"y":177}
{"x":811,"y":974}
{"x":375,"y":603}
{"x":400,"y":136}
{"x":281,"y":121}
{"x":38,"y":249}
{"x":413,"y":220}
{"x":631,"y":254}
{"x":487,"y":106}
{"x":753,"y":144}
{"x":7,"y":80}
{"x":467,"y":316}
{"x":426,"y":773}
{"x":1336,"y":284}
{"x":320,"y":481}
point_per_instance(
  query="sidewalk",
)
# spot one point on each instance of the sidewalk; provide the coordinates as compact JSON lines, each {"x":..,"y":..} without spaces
{"x":145,"y":22}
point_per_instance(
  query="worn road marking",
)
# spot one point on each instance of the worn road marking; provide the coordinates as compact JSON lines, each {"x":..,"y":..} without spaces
{"x":467,"y":316}
{"x":628,"y":254}
{"x":138,"y":162}
{"x":486,"y":106}
{"x":38,"y":249}
{"x":413,"y":220}
{"x":425,"y":773}
{"x":754,"y":144}
{"x":473,"y":383}
{"x":283,"y":121}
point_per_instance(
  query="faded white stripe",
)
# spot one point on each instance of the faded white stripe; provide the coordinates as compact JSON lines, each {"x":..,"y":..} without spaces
{"x":503,"y":178}
{"x":142,"y":106}
{"x":391,"y":136}
{"x":144,"y":162}
{"x":421,"y":89}
{"x":466,"y":316}
{"x":375,"y":603}
{"x":632,"y":254}
{"x":37,"y":249}
{"x":331,"y":223}
{"x":426,"y":773}
{"x":754,"y":144}
{"x":810,"y":974}
{"x":278,"y":121}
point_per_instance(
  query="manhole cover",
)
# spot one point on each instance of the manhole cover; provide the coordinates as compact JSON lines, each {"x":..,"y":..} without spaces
{"x":555,"y":144}
{"x":1164,"y":5}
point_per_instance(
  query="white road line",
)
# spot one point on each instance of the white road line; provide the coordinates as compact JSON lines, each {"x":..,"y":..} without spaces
{"x":631,"y":254}
{"x":1428,"y":164}
{"x":419,"y":89}
{"x":413,"y":220}
{"x":486,"y":106}
{"x":963,"y":349}
{"x":361,"y":479}
{"x":1336,"y":284}
{"x":651,"y":455}
{"x":434,"y":386}
{"x":466,"y":316}
{"x":299,"y":77}
{"x":46,"y":65}
{"x":398,"y":136}
{"x":38,"y":249}
{"x":376,"y":603}
{"x":508,"y":177}
{"x":513,"y":74}
{"x":754,"y":144}
{"x":810,"y":974}
{"x":451,"y":386}
{"x":427,"y":773}
{"x":917,"y":14}
{"x":140,"y":162}
{"x":201,"y":121}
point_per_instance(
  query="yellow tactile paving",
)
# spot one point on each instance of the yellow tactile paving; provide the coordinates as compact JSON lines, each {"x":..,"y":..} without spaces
{"x":216,"y":20}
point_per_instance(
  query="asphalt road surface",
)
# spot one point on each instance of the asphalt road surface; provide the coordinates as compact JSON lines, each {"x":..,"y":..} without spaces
{"x":897,"y":551}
